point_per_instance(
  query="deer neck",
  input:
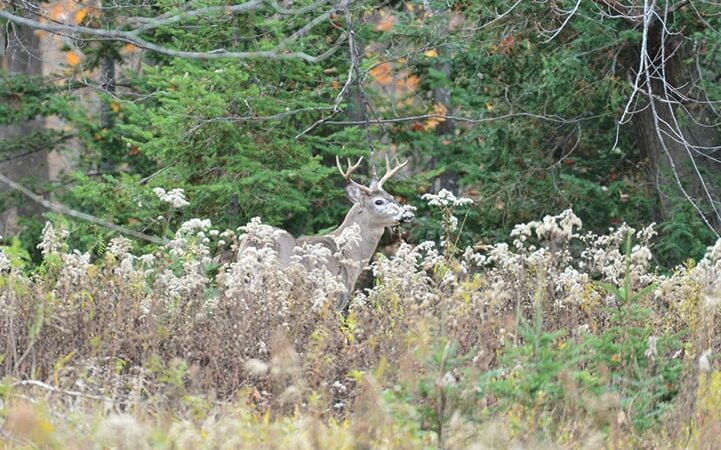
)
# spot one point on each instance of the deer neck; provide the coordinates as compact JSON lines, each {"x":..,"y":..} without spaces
{"x":371,"y":234}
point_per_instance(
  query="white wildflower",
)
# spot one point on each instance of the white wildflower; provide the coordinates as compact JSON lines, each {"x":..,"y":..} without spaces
{"x":651,"y":351}
{"x":122,"y":431}
{"x":711,"y":302}
{"x":4,"y":262}
{"x":53,"y":240}
{"x":340,"y":387}
{"x":445,"y":198}
{"x":75,"y":266}
{"x":704,"y":365}
{"x":256,"y":368}
{"x":119,"y":246}
{"x":349,"y":237}
{"x":147,"y":259}
{"x":176,"y":197}
{"x":193,"y":225}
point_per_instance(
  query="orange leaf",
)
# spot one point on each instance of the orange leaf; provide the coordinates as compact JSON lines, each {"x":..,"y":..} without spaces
{"x":80,"y":15}
{"x":72,"y":58}
{"x":410,"y":83}
{"x":507,"y":43}
{"x":386,"y":23}
{"x":57,"y":12}
{"x":130,"y":48}
{"x":382,"y":73}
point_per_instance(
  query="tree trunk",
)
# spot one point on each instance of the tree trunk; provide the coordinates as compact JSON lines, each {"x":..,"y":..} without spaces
{"x":446,"y":129}
{"x":673,"y":165}
{"x":21,"y":56}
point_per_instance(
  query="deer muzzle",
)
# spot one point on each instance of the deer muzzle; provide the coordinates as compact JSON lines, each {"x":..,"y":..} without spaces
{"x":406,"y":216}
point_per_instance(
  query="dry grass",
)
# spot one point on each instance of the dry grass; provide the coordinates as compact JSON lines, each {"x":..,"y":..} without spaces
{"x":518,"y":346}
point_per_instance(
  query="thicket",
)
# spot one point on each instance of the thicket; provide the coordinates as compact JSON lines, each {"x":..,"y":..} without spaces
{"x":526,"y":120}
{"x":564,"y":339}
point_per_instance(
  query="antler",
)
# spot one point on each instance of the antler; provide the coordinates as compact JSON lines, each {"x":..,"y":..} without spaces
{"x":347,"y":173}
{"x":390,"y":171}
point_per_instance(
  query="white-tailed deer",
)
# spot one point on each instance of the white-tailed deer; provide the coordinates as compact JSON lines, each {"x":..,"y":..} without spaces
{"x":373,"y":209}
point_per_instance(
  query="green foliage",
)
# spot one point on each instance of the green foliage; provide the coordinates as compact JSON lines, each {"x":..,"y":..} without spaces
{"x":231,"y":132}
{"x":17,"y":254}
{"x":684,"y":235}
{"x":641,"y":364}
{"x":529,"y":370}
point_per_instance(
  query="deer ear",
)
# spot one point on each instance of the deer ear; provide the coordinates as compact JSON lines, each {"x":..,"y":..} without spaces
{"x":354,"y":193}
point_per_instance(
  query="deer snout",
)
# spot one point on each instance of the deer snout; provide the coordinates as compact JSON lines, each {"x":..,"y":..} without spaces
{"x":407,"y":216}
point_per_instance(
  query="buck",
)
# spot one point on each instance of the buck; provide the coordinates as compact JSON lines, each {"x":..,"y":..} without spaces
{"x":373,"y":210}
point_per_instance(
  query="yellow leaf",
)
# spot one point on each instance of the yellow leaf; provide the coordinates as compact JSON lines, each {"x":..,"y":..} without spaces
{"x":72,"y":58}
{"x":489,"y":106}
{"x":432,"y":53}
{"x":438,"y":110}
{"x":115,"y":106}
{"x":80,"y":15}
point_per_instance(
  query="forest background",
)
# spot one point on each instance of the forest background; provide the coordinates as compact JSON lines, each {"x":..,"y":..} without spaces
{"x":549,"y":313}
{"x":528,"y":108}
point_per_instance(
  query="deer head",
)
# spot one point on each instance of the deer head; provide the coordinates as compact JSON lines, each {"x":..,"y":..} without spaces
{"x":373,"y":210}
{"x":378,"y":207}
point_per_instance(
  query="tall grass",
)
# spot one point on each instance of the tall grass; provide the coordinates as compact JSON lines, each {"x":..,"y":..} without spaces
{"x":560,"y":339}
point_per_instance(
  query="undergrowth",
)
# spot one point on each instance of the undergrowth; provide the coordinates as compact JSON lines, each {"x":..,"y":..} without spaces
{"x":560,"y":339}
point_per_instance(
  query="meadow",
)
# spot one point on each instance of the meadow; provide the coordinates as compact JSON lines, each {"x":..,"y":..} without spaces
{"x":560,"y":339}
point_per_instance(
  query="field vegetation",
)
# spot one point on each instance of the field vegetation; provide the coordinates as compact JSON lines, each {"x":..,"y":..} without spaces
{"x":562,"y":339}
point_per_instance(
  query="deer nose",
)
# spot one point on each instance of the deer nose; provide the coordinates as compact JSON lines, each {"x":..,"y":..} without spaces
{"x":407,"y":216}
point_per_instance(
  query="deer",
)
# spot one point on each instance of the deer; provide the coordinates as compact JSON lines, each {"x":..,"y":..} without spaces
{"x":373,"y":210}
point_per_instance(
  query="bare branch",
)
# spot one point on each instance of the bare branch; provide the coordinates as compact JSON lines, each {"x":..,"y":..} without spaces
{"x":132,"y":37}
{"x":62,"y":209}
{"x":548,"y":118}
{"x":150,"y":23}
{"x":51,"y":388}
{"x":563,"y":25}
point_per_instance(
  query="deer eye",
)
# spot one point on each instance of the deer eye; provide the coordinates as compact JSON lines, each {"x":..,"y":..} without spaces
{"x":379,"y":202}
